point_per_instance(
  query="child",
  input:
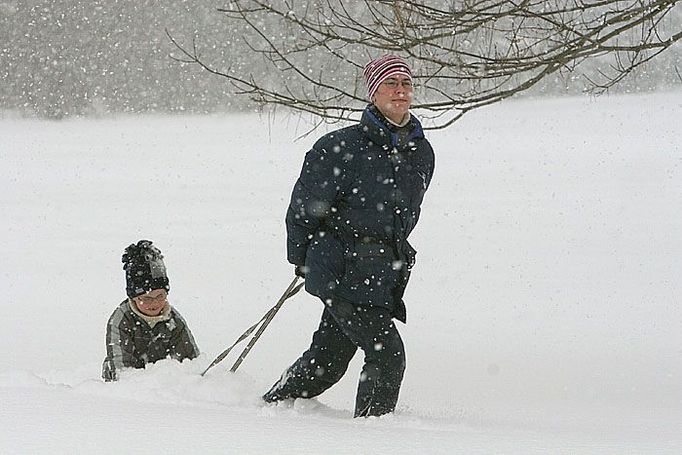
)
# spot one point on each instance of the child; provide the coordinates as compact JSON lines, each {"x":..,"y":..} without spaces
{"x":145,"y":327}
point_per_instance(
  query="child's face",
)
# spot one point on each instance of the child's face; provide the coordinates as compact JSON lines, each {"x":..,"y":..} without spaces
{"x":152,"y":303}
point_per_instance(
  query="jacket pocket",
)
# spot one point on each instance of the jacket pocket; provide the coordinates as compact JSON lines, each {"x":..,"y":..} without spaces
{"x":371,"y":274}
{"x":325,"y":263}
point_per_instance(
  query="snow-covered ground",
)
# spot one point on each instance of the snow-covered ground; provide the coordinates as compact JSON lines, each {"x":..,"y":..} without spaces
{"x":544,"y":310}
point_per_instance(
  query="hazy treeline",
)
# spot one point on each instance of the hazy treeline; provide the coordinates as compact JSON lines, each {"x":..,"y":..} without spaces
{"x":67,"y":57}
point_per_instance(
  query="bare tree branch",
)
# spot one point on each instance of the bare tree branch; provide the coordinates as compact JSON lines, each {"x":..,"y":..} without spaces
{"x":465,"y":54}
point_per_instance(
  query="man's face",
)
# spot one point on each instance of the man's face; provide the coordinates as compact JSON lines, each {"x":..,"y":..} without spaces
{"x":394,"y":97}
{"x":151,"y":303}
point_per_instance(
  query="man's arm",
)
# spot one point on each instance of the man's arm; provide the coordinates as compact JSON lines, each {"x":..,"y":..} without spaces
{"x":312,"y":199}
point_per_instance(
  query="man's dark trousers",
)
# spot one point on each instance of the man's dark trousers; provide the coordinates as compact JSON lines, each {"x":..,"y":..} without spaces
{"x":344,"y":328}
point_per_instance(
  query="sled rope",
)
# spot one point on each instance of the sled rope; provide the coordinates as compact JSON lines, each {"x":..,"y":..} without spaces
{"x":291,"y":290}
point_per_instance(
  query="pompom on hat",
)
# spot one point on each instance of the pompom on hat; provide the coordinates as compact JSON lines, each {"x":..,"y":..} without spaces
{"x":144,"y":268}
{"x":381,"y":68}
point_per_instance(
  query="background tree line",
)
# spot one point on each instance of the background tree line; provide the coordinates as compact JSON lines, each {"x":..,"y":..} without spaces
{"x":63,"y":57}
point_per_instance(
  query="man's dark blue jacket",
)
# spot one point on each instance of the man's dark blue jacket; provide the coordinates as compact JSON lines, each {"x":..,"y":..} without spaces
{"x":353,"y":207}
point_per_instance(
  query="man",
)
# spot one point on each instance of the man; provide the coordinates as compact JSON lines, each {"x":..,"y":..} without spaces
{"x":145,"y":327}
{"x":355,"y":203}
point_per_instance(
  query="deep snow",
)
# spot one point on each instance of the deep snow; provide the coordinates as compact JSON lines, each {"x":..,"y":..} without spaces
{"x":544,"y":311}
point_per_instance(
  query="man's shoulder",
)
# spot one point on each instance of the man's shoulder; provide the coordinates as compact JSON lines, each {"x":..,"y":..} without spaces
{"x":426,"y":147}
{"x":339,"y":138}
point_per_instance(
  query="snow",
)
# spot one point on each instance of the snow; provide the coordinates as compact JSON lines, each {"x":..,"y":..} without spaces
{"x":543,"y":314}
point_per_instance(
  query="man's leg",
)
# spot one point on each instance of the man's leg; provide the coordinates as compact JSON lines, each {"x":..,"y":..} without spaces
{"x":318,"y":368}
{"x":373,"y":330}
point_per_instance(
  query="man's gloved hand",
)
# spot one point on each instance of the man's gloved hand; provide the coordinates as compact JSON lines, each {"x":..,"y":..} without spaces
{"x":301,"y":270}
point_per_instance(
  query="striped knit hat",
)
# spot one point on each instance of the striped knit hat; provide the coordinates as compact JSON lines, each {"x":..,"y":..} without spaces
{"x":381,"y":68}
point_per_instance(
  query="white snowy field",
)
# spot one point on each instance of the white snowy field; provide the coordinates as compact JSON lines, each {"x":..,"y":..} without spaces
{"x":544,"y":311}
